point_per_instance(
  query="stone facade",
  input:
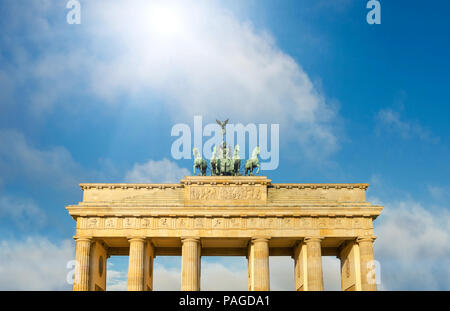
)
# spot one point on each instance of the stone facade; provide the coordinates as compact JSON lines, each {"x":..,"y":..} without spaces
{"x":225,"y":216}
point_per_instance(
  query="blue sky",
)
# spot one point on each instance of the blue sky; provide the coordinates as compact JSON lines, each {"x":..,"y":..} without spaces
{"x":96,"y":102}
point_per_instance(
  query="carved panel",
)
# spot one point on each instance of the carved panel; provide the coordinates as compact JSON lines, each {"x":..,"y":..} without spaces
{"x":322,"y":222}
{"x":271,"y":222}
{"x":182,"y":223}
{"x":246,"y":193}
{"x":111,"y":223}
{"x":307,"y":223}
{"x":253,"y":222}
{"x":199,"y":223}
{"x":286,"y":222}
{"x":146,"y":222}
{"x":235,"y":222}
{"x":129,"y":222}
{"x":218,"y":223}
{"x":93,"y":222}
{"x":339,"y":223}
{"x":165,"y":222}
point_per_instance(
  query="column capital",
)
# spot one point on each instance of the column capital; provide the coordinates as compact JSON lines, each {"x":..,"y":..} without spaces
{"x":190,"y":239}
{"x":312,"y":239}
{"x":260,"y":239}
{"x":369,"y":238}
{"x":136,"y":238}
{"x":82,"y":238}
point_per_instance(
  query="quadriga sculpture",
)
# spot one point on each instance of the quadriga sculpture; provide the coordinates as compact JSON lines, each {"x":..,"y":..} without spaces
{"x":199,"y":163}
{"x":252,"y":163}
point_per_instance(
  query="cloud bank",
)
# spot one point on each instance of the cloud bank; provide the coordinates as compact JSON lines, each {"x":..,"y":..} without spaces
{"x":197,"y":58}
{"x":413,"y":247}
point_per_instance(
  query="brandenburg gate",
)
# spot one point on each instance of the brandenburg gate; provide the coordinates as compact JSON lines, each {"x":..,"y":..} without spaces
{"x":225,"y":216}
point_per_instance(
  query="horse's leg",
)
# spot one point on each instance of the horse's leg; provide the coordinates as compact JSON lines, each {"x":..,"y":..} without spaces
{"x":257,"y":165}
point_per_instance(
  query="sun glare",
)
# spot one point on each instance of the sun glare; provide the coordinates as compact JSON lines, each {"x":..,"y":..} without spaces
{"x":166,"y":21}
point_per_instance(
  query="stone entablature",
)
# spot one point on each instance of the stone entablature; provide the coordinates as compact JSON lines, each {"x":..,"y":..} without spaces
{"x":227,"y":215}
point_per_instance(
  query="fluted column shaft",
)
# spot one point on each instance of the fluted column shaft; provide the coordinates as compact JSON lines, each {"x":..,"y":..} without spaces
{"x":136,"y":264}
{"x":190,"y":265}
{"x":82,"y":257}
{"x":368,"y":280}
{"x":300,"y":267}
{"x":314,"y":264}
{"x":260,"y":264}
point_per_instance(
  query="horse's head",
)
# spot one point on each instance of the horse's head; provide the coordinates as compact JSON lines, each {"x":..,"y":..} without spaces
{"x":214,"y":154}
{"x":195,"y":152}
{"x":255,"y":152}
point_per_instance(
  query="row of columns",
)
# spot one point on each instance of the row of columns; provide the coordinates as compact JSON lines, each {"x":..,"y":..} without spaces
{"x":356,"y":264}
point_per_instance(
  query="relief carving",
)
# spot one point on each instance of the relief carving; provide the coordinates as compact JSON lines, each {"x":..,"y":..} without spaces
{"x":286,"y":223}
{"x":218,"y":223}
{"x":146,"y":222}
{"x":110,"y":222}
{"x":181,"y":223}
{"x":199,"y":223}
{"x":235,"y":222}
{"x":93,"y":222}
{"x":129,"y":222}
{"x":226,"y":193}
{"x":164,"y":222}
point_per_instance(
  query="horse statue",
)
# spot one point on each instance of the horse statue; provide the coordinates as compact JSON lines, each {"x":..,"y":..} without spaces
{"x":236,"y":161}
{"x":214,"y":163}
{"x":252,"y":163}
{"x":224,"y":166}
{"x":199,"y":162}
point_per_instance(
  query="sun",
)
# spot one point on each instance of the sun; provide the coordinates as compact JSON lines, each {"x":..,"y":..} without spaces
{"x":166,"y":21}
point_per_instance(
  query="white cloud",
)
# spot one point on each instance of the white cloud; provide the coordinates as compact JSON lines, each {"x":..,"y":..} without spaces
{"x":116,"y":280}
{"x":24,"y":213}
{"x":18,"y":159}
{"x":438,"y":192}
{"x":226,"y":275}
{"x":229,"y":274}
{"x":213,"y":65}
{"x":163,"y":171}
{"x":392,"y":121}
{"x":166,"y":278}
{"x":35,"y":264}
{"x":413,"y":247}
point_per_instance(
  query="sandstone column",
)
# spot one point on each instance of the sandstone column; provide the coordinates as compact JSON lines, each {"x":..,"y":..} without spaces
{"x":148,"y":265}
{"x":82,"y":257}
{"x":190,"y":264}
{"x":136,"y":264}
{"x":258,"y":260}
{"x":348,"y":253}
{"x":300,"y":267}
{"x":97,"y":265}
{"x":314,"y":263}
{"x":368,"y":281}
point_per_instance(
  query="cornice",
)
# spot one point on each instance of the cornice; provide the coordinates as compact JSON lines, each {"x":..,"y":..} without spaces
{"x":225,"y":180}
{"x":100,"y":186}
{"x":320,"y":186}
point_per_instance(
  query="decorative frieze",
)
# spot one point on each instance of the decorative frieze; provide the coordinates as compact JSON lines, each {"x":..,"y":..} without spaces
{"x":225,"y":222}
{"x":246,"y":193}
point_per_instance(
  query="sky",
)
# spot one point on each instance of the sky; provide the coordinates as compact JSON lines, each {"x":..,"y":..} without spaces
{"x":96,"y":102}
